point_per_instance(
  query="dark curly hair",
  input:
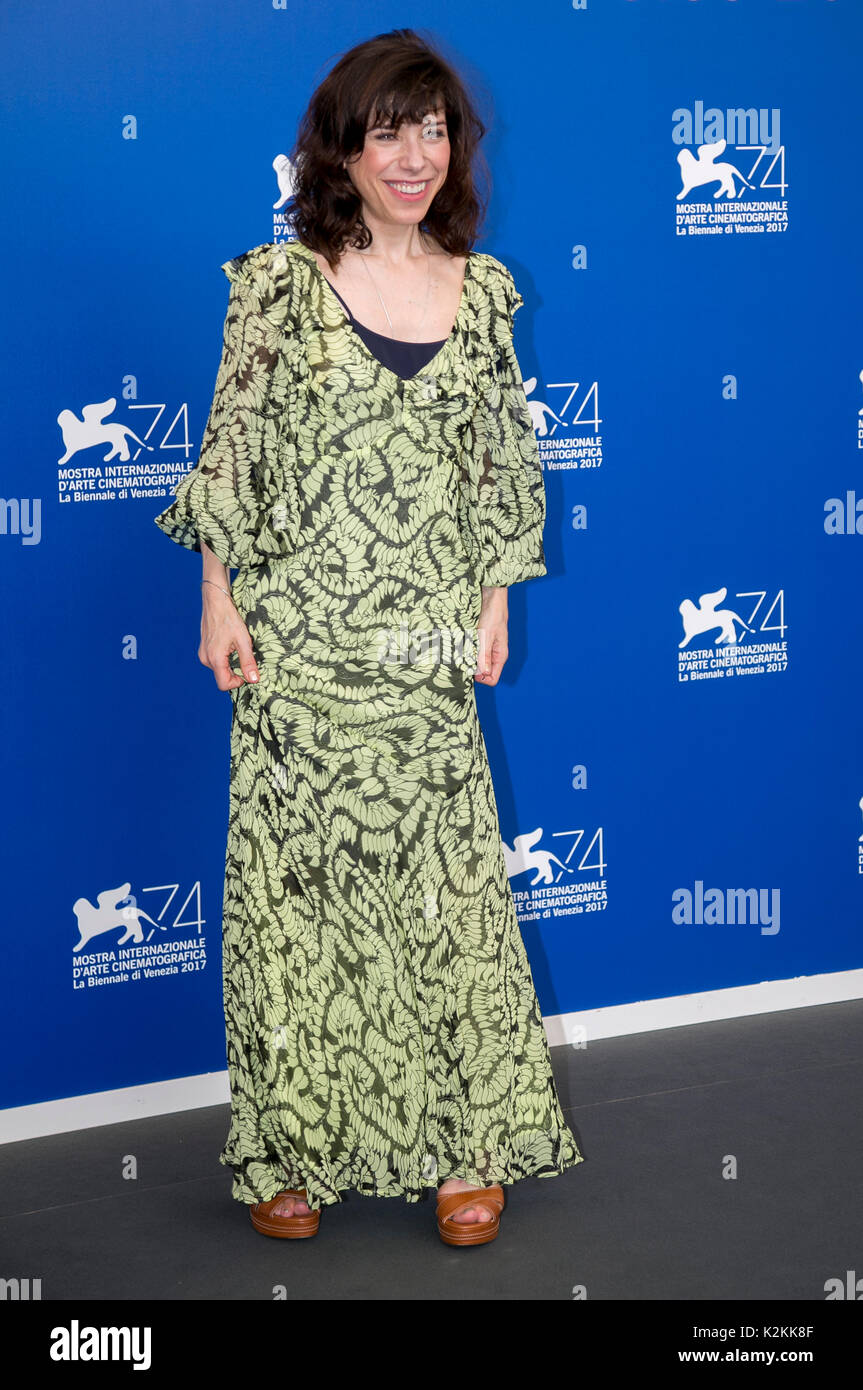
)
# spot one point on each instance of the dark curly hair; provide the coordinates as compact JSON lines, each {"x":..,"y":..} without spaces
{"x":389,"y":79}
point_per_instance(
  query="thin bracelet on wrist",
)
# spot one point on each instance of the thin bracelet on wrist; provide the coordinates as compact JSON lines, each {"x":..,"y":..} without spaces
{"x":217,"y":586}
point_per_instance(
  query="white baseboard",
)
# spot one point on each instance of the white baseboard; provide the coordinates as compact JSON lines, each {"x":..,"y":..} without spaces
{"x":114,"y":1107}
{"x":573,"y":1029}
{"x":682,"y":1010}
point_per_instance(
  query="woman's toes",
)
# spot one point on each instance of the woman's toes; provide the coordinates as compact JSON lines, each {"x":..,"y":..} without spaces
{"x":477,"y":1214}
{"x":471,"y":1214}
{"x":292,"y":1206}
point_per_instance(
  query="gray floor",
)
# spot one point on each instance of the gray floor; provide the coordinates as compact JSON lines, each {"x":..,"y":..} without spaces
{"x":647,"y":1216}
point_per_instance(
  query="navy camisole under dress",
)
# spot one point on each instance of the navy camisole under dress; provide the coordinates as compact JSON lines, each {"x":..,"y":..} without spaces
{"x":403,"y":358}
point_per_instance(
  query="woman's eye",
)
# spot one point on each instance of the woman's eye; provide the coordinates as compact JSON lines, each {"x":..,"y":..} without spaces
{"x":437,"y":131}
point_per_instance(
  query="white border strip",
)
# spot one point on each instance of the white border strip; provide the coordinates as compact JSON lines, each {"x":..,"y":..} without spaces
{"x":681,"y":1010}
{"x":619,"y":1020}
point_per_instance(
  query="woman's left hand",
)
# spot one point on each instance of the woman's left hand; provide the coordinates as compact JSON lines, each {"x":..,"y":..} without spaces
{"x":493,"y":636}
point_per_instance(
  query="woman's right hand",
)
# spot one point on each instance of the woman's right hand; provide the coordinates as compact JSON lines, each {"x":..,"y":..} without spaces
{"x":222,"y":632}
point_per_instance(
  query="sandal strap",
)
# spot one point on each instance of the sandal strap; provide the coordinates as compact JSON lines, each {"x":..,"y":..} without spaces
{"x":489,"y":1197}
{"x":288,"y":1192}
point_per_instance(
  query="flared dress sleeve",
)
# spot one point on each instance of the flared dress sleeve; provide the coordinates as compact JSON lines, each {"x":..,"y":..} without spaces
{"x":511,"y":503}
{"x":223,"y":499}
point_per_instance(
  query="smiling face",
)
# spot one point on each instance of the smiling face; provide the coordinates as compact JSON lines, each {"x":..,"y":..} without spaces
{"x":398,"y":172}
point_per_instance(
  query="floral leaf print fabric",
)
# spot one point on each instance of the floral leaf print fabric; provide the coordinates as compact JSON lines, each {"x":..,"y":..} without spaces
{"x":511,"y":498}
{"x":220,"y":501}
{"x":383,"y":1031}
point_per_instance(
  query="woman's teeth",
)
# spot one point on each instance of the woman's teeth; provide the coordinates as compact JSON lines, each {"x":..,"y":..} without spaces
{"x":409,"y":189}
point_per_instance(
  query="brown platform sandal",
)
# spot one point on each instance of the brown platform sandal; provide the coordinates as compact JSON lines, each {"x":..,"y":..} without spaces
{"x":469,"y":1232}
{"x":287,"y":1227}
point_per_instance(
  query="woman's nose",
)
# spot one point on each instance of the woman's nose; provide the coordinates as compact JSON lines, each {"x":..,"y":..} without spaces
{"x":413,"y":154}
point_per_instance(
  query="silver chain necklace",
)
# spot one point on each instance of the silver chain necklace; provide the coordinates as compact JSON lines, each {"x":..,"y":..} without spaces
{"x":381,"y":298}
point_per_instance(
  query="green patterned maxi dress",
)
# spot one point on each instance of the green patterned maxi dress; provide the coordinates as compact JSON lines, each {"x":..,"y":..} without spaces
{"x":383,"y":1030}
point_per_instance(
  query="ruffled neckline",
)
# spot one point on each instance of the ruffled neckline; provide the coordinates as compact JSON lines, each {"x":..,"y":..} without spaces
{"x":304,"y":306}
{"x":324,"y":312}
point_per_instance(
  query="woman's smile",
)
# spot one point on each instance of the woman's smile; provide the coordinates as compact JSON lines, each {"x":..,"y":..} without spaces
{"x":408,"y":190}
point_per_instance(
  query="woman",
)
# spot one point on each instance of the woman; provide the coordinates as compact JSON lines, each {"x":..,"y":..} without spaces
{"x":370,"y":469}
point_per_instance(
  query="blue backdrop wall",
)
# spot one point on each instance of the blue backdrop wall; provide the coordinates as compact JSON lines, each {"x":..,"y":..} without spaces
{"x":680,"y":714}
